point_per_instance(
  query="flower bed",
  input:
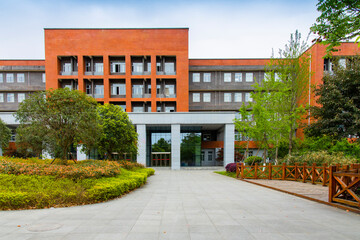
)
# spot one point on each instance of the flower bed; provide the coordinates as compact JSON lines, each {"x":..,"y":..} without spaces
{"x":25,"y":184}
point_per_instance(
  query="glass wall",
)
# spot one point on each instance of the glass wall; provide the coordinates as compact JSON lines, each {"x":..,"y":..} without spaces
{"x":190,"y":147}
{"x":158,"y":141}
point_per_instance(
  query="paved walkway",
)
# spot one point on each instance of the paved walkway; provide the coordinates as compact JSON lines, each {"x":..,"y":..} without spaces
{"x":315,"y":191}
{"x":187,"y":205}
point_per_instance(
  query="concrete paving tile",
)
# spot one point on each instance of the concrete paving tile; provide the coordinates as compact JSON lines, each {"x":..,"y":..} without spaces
{"x":174,"y":228}
{"x":142,"y":236}
{"x":269,"y":236}
{"x":79,"y":236}
{"x":174,"y":236}
{"x":110,"y":236}
{"x":204,"y":236}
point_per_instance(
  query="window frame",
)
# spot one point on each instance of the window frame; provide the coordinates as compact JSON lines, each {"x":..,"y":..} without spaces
{"x":237,"y":94}
{"x":13,"y":97}
{"x":239,"y":75}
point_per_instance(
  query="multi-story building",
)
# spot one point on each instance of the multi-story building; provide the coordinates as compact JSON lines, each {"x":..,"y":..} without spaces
{"x":18,"y":79}
{"x":188,"y":103}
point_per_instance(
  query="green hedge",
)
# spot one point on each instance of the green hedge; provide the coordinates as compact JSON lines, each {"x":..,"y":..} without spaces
{"x":33,"y":191}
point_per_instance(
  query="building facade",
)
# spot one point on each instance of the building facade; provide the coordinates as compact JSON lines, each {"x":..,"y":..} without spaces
{"x":183,"y":109}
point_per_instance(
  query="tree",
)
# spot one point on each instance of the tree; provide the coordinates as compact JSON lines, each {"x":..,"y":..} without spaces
{"x":61,"y":118}
{"x":161,"y":146}
{"x":339,"y":21}
{"x":5,"y":134}
{"x":338,"y":113}
{"x":117,"y":133}
{"x":276,"y":109}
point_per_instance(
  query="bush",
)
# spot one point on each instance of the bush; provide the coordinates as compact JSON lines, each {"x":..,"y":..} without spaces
{"x":252,"y":160}
{"x":130,"y":165}
{"x":319,"y":158}
{"x":231,"y":167}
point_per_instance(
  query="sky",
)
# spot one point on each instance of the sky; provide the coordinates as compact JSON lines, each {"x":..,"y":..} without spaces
{"x":217,"y":29}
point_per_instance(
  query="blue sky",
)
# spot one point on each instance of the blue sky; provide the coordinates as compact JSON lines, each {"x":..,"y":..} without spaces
{"x":217,"y":29}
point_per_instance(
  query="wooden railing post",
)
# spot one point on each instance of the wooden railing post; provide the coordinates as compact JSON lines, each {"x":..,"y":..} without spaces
{"x":296,"y":171}
{"x":332,"y":183}
{"x":324,"y":174}
{"x":242,"y":170}
{"x":304,"y":172}
{"x":237,"y":170}
{"x":313,"y":173}
{"x":283,"y":171}
{"x":270,"y":171}
{"x":256,"y":168}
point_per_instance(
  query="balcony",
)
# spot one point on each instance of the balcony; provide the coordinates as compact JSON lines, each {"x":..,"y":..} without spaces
{"x":166,"y":106}
{"x":94,"y":87}
{"x":165,"y":65}
{"x":68,"y":66}
{"x":93,"y":65}
{"x":141,"y":107}
{"x":166,"y":88}
{"x":117,"y":65}
{"x":118,"y":88}
{"x":141,"y":88}
{"x":71,"y":84}
{"x":141,"y":65}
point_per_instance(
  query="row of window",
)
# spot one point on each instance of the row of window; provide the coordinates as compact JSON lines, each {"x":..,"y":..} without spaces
{"x":20,"y":77}
{"x":228,"y":77}
{"x":10,"y":97}
{"x":228,"y":97}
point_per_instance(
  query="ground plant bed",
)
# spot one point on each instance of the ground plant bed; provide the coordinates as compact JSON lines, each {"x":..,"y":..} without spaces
{"x":34,"y":183}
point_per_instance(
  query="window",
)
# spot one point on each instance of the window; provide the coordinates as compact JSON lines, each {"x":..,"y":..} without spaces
{"x":207,"y":77}
{"x":99,"y":67}
{"x":238,"y":136}
{"x":99,"y":91}
{"x":248,"y":97}
{"x":138,"y":67}
{"x":169,"y":90}
{"x":20,"y":77}
{"x":206,"y":97}
{"x":21,"y":97}
{"x":10,"y":77}
{"x":138,"y":90}
{"x":43,"y":77}
{"x":69,"y":86}
{"x":238,"y":77}
{"x":67,"y":67}
{"x":342,"y":62}
{"x":88,"y":89}
{"x":196,"y":97}
{"x":117,"y":67}
{"x":238,"y":97}
{"x":10,"y":97}
{"x":267,"y":76}
{"x":1,"y":78}
{"x":1,"y":97}
{"x":149,"y":67}
{"x":196,"y":77}
{"x":227,"y":97}
{"x":249,"y":77}
{"x":138,"y":109}
{"x":169,"y":67}
{"x":169,"y":109}
{"x":118,"y":89}
{"x":227,"y":77}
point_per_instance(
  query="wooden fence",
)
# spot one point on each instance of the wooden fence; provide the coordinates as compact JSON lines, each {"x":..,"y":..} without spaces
{"x":343,"y":181}
{"x":304,"y":173}
{"x":344,"y":185}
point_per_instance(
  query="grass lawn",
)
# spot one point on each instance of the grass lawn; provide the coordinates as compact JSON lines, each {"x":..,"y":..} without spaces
{"x":225,"y":173}
{"x":28,"y":183}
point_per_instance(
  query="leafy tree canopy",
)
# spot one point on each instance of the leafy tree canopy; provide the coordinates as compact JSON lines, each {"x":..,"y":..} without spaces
{"x":117,"y":133}
{"x":339,"y":21}
{"x":338,"y":113}
{"x":5,"y":134}
{"x":55,"y":120}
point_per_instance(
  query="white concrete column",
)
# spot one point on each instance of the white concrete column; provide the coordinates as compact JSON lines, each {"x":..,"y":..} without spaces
{"x":80,"y":155}
{"x":229,"y":138}
{"x":141,"y":130}
{"x":175,"y":147}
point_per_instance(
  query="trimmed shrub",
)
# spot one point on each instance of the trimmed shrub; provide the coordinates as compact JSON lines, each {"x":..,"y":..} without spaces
{"x":128,"y":165}
{"x":252,"y":160}
{"x":319,"y":158}
{"x":231,"y":167}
